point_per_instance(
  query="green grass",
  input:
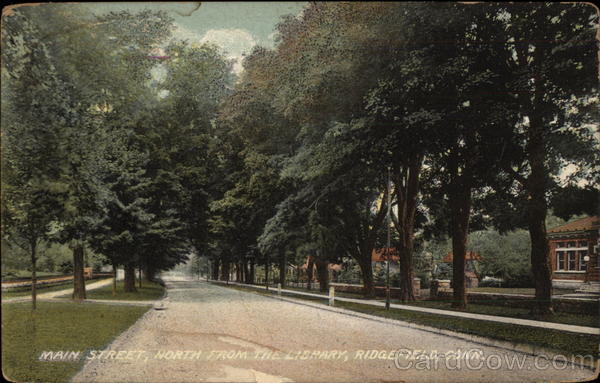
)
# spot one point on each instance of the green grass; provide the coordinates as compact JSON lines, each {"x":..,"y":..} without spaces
{"x":514,"y":312}
{"x":554,"y":339}
{"x":560,"y":341}
{"x":16,"y":293}
{"x":505,"y":311}
{"x":57,"y":326}
{"x":148,"y":292}
{"x":515,"y":290}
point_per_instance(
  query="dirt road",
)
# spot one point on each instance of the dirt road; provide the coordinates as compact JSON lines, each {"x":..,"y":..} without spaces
{"x":210,"y":333}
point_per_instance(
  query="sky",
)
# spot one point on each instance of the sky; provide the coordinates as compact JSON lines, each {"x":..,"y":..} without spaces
{"x":236,"y":27}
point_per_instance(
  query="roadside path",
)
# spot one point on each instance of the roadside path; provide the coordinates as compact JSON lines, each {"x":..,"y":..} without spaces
{"x":54,"y":294}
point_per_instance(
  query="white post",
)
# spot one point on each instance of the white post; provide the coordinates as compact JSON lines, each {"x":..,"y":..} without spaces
{"x":331,"y":295}
{"x":279,"y":289}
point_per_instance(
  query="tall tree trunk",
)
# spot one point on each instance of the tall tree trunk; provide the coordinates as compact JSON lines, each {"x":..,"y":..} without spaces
{"x":33,"y":247}
{"x":215,"y":268}
{"x":323,"y":274}
{"x":225,"y":268}
{"x":140,"y":277}
{"x":536,"y":219}
{"x":406,"y":180}
{"x":406,"y":272}
{"x":78,"y":276}
{"x":282,"y":267}
{"x":364,"y":256}
{"x":252,"y":273}
{"x":309,"y":272}
{"x":114,"y":281}
{"x":129,"y":282}
{"x":149,"y":273}
{"x":366,"y":270}
{"x":460,"y":205}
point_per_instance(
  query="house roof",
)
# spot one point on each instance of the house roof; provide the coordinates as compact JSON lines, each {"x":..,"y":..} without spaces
{"x":330,"y":266}
{"x":379,"y":255}
{"x":470,"y":256}
{"x":583,"y":224}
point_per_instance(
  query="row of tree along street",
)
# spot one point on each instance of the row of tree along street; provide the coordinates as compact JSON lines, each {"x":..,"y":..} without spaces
{"x":471,"y":111}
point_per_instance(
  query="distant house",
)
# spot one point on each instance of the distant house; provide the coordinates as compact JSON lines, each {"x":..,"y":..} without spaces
{"x":380,"y":256}
{"x":471,"y":259}
{"x":574,"y":252}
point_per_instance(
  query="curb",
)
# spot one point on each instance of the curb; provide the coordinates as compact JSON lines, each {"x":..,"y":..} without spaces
{"x":523,"y":348}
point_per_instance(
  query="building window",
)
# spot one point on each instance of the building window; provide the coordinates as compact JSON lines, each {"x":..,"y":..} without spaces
{"x":582,"y":262}
{"x":583,"y":244}
{"x":572,"y":260}
{"x":560,"y":244}
{"x":570,"y":244}
{"x":560,"y":260}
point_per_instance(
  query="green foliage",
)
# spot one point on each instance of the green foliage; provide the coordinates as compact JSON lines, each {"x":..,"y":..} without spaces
{"x":149,"y":161}
{"x":504,"y":256}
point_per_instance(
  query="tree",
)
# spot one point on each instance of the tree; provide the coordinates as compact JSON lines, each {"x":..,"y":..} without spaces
{"x":98,"y":74}
{"x":31,"y":166}
{"x":549,"y":51}
{"x":504,"y":256}
{"x":180,"y":138}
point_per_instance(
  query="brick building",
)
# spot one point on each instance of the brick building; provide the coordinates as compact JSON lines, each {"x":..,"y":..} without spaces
{"x":574,"y":253}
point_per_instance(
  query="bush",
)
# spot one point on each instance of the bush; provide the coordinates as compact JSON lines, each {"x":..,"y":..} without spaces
{"x":350,"y":274}
{"x":425,"y":278}
{"x":519,"y":280}
{"x":66,"y":267}
{"x":491,"y":282}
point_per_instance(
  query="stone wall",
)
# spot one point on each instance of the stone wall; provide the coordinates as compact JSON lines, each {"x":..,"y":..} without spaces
{"x":379,"y":290}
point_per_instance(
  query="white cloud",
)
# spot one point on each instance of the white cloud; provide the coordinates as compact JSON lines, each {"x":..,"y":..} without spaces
{"x":182,"y":33}
{"x":234,"y":42}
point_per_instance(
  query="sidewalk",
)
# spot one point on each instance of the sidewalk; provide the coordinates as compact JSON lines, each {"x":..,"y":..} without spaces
{"x":53,"y":294}
{"x":458,"y":314}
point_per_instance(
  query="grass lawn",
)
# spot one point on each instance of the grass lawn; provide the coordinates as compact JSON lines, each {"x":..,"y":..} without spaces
{"x":505,"y":311}
{"x":560,"y":341}
{"x":42,"y":290}
{"x":515,"y":312}
{"x":515,"y":290}
{"x":57,"y":326}
{"x":150,"y":291}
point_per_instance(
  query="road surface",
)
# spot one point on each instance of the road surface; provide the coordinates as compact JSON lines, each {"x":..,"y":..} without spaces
{"x":209,"y":333}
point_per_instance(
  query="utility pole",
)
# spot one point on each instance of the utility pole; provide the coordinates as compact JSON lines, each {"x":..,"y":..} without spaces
{"x":267,"y":265}
{"x":387,"y":276}
{"x":198,"y":265}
